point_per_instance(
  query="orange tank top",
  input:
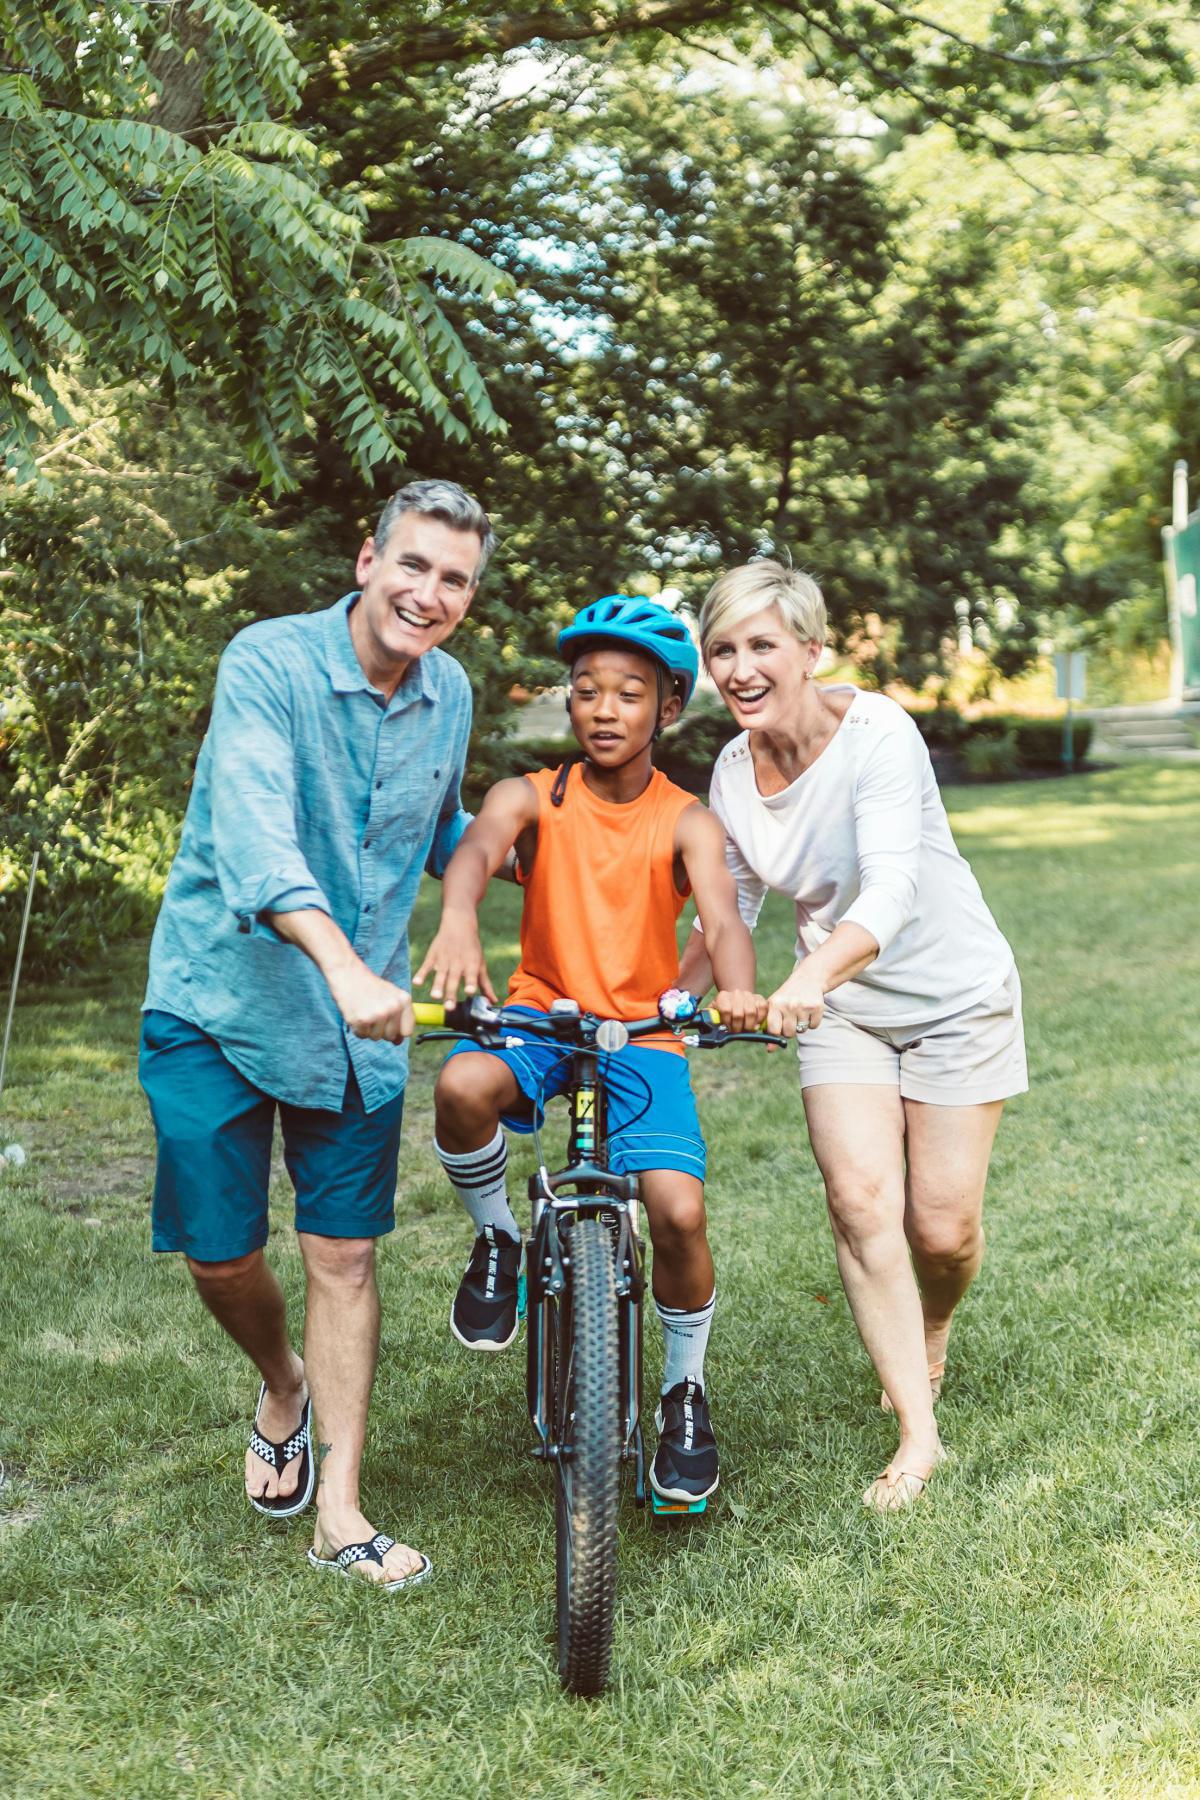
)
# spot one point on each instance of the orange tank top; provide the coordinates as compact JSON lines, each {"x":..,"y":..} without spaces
{"x":601,"y":903}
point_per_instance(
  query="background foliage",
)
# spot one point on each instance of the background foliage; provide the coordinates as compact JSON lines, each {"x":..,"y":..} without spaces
{"x":911,"y":298}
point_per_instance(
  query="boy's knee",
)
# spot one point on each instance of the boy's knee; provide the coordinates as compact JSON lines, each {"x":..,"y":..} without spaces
{"x":677,"y":1218}
{"x":463,"y":1085}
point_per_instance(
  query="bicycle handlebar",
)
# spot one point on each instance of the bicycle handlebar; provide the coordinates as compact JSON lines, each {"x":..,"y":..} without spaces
{"x":478,"y":1018}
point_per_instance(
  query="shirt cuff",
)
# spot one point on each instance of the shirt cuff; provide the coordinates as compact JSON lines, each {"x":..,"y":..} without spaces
{"x":879,"y":913}
{"x":445,"y":841}
{"x":274,"y":894}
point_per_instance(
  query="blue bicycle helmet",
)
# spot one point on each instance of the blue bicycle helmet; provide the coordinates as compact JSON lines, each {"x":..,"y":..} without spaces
{"x":645,"y":625}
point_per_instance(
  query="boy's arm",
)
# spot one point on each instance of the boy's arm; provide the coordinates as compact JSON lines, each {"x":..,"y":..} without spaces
{"x":727,"y":949}
{"x":456,"y":954}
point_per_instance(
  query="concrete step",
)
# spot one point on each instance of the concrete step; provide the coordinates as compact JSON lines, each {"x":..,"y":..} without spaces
{"x":1101,"y":751}
{"x":1146,"y":734}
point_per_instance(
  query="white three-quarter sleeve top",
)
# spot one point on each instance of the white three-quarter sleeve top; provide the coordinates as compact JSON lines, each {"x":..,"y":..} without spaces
{"x":861,"y":837}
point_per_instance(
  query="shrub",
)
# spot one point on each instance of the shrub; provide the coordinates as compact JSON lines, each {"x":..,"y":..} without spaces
{"x":991,"y":756}
{"x":687,"y":751}
{"x":941,"y":727}
{"x":1040,"y":741}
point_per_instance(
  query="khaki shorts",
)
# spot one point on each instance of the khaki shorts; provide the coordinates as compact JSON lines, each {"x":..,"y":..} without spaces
{"x":966,"y":1059}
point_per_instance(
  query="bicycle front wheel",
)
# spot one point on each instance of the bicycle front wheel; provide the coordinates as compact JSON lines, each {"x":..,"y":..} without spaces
{"x":588,"y":1423}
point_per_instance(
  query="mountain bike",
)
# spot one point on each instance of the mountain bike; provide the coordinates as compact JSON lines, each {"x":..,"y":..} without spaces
{"x":585,"y":1283}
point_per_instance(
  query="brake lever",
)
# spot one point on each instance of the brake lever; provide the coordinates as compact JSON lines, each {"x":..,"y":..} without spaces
{"x":724,"y":1037}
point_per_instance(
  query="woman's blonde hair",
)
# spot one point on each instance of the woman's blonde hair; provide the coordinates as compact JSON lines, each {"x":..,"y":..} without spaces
{"x":741,"y":592}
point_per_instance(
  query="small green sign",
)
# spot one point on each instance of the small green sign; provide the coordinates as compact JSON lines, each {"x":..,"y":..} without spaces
{"x":1183,"y":560}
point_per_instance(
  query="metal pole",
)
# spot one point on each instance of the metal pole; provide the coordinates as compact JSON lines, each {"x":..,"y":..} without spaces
{"x":1068,"y":731}
{"x":1179,"y":519}
{"x":12,"y":996}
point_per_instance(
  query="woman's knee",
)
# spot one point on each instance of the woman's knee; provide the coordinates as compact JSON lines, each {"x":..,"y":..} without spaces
{"x":949,"y":1240}
{"x":864,"y":1206}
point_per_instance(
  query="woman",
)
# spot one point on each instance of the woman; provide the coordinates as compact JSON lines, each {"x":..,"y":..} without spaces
{"x":904,"y":1000}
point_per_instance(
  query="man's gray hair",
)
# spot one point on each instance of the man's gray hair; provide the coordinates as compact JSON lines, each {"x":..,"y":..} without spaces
{"x":443,"y":500}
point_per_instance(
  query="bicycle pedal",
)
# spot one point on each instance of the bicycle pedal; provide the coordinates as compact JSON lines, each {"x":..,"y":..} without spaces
{"x":522,"y":1295}
{"x":676,"y":1508}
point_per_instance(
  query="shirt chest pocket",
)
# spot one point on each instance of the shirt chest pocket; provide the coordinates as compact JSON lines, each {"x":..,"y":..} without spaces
{"x":405,"y":811}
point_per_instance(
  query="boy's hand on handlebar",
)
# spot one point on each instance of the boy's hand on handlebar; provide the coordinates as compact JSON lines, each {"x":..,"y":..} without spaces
{"x":798,"y":1005}
{"x":456,"y":957}
{"x":371,"y":1006}
{"x":740,"y":1010}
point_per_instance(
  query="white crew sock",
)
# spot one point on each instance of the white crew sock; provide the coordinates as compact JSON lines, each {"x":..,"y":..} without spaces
{"x":686,"y":1338}
{"x":480,"y":1179}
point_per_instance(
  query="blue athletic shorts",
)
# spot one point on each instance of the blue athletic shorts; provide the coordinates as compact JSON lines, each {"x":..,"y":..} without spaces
{"x":652,"y":1122}
{"x":214,"y":1131}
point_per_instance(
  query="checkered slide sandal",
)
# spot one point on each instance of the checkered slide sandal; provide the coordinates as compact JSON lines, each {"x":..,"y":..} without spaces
{"x":374,"y":1550}
{"x":277,"y":1457}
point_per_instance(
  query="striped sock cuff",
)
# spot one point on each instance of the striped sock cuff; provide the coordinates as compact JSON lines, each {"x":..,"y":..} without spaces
{"x":475,"y":1168}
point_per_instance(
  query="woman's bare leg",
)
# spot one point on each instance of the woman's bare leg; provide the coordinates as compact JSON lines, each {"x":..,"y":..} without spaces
{"x":857,"y":1134}
{"x":948,"y":1152}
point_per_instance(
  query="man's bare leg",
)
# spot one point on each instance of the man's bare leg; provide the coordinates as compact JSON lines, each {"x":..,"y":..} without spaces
{"x":341,"y":1347}
{"x":244,"y":1296}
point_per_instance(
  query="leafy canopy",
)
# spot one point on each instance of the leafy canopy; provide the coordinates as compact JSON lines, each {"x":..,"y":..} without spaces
{"x":161,"y":215}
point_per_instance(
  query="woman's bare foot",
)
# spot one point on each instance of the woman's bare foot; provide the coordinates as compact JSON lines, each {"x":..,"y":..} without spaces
{"x":337,"y":1528}
{"x":905,"y":1478}
{"x":278,"y":1417}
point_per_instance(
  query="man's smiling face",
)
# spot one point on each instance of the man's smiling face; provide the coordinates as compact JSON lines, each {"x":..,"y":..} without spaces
{"x":415,"y":590}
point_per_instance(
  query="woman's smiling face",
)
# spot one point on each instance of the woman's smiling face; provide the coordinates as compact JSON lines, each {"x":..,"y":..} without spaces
{"x":760,"y":670}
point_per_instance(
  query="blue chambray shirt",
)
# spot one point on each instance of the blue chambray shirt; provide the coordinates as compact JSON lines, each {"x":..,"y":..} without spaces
{"x":310,"y":790}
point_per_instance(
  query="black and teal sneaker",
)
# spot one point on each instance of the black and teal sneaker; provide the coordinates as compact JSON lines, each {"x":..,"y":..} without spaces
{"x":685,"y":1463}
{"x":489,"y":1303}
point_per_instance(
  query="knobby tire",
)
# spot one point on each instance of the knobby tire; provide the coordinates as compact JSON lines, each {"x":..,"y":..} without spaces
{"x":588,"y":1480}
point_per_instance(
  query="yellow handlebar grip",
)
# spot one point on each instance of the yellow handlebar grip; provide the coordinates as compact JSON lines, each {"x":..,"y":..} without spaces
{"x":712,"y":1015}
{"x":429,"y":1012}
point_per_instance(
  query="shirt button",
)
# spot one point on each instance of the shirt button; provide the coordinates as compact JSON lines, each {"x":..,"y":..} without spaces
{"x":436,"y":773}
{"x":378,"y":785}
{"x":367,"y":907}
{"x":366,"y":843}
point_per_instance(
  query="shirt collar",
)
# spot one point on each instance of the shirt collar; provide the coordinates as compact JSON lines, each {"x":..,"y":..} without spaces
{"x":346,"y":672}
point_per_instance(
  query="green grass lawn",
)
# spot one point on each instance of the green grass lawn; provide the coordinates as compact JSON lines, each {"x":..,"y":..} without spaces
{"x":1033,"y":1628}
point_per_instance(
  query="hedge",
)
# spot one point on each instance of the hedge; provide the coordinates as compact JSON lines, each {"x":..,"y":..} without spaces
{"x":998,"y":747}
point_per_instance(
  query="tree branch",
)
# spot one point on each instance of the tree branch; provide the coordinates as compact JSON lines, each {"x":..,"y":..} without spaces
{"x":1056,"y":64}
{"x":359,"y":66}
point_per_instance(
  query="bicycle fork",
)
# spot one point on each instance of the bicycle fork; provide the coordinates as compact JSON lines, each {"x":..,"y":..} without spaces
{"x":549,"y":1276}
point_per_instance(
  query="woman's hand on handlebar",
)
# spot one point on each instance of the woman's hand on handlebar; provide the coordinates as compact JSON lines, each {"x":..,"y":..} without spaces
{"x":455,"y":958}
{"x":740,"y":1010}
{"x":798,"y":1005}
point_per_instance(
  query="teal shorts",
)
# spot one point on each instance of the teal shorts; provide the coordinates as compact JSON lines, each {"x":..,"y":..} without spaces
{"x":652,"y":1120}
{"x":214,"y":1130}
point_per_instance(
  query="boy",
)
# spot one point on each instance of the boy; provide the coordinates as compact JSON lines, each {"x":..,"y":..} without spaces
{"x":607,"y":853}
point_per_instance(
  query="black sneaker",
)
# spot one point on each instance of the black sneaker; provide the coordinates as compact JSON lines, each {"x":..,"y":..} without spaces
{"x":487,"y":1307}
{"x":685,"y":1463}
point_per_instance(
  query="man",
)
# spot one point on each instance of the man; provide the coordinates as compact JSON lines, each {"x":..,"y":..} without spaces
{"x":279,"y":970}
